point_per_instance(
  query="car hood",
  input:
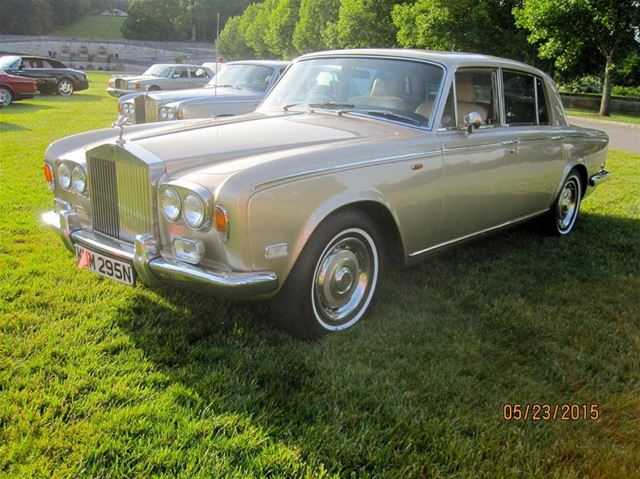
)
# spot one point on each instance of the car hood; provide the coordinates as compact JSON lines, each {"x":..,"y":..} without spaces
{"x":222,"y":93}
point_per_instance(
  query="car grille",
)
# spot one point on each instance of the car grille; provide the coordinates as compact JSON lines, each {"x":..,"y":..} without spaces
{"x":140,"y":107}
{"x":121,"y":84}
{"x":151,"y":109}
{"x":121,"y":198}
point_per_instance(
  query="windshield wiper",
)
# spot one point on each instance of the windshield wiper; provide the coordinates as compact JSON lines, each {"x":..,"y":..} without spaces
{"x":228,"y":85}
{"x":331,"y":104}
{"x":388,"y":114}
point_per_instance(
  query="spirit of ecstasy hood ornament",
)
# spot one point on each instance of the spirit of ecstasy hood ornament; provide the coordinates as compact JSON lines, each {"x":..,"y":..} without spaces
{"x":120,"y":123}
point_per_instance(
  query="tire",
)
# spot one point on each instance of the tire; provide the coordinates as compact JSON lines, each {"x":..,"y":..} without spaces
{"x":345,"y":249}
{"x":561,"y":219}
{"x":65,"y":87}
{"x":6,"y":97}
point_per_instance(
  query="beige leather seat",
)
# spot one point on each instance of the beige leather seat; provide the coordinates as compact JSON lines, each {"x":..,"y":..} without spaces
{"x":466,"y":96}
{"x":381,"y":96}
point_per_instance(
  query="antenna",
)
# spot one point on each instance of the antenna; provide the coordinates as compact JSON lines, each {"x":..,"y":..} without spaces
{"x":215,"y":78}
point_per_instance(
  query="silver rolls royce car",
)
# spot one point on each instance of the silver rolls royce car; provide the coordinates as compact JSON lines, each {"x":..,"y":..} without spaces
{"x":237,"y":88}
{"x":355,"y":159}
{"x":161,"y":77}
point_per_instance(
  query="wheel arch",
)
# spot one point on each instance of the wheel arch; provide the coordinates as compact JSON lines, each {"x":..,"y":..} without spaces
{"x":579,"y":165}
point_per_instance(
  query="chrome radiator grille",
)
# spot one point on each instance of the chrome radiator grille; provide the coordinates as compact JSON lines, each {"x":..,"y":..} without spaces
{"x":121,"y":84}
{"x":151,"y":109}
{"x":139,"y":103}
{"x":121,"y":198}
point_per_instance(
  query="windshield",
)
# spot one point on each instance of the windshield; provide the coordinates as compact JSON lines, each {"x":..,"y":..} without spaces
{"x":253,"y":77}
{"x":399,"y":90}
{"x":9,"y":62}
{"x":158,"y":71}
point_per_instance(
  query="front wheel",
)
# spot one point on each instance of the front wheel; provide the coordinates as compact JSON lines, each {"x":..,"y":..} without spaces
{"x":332,"y":285}
{"x":5,"y":97}
{"x":65,"y":87}
{"x":561,"y":219}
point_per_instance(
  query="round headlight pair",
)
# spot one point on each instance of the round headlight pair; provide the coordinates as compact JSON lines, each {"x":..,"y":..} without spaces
{"x":167,"y":113}
{"x":191,"y":207}
{"x":72,"y":177}
{"x":128,"y":108}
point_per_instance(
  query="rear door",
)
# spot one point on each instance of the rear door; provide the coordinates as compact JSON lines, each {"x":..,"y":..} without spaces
{"x":179,"y":78}
{"x":198,"y":77}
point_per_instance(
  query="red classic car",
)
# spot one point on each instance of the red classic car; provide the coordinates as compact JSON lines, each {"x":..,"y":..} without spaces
{"x":13,"y":88}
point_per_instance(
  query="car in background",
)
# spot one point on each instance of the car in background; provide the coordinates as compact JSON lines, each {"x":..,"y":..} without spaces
{"x":14,"y":88}
{"x":356,"y":158}
{"x":237,"y":88}
{"x":161,"y":77}
{"x":52,"y":76}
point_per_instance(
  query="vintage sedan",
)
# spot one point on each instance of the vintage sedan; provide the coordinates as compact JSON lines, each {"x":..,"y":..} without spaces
{"x":52,"y":76}
{"x":161,"y":77}
{"x":14,"y":88}
{"x":355,"y":159}
{"x":238,"y":88}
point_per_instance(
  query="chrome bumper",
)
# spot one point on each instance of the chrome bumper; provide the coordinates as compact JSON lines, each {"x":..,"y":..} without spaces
{"x":599,"y":178}
{"x":118,"y":92}
{"x":154,"y":270}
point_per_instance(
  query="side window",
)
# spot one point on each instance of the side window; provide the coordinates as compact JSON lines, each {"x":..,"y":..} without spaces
{"x":476,"y":90}
{"x":180,"y":72}
{"x":543,"y":103}
{"x":449,"y":114}
{"x":519,"y":99}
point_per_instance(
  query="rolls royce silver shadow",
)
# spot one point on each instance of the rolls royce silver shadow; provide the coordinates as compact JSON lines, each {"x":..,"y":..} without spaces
{"x":237,"y":88}
{"x":356,"y":159}
{"x":160,"y":77}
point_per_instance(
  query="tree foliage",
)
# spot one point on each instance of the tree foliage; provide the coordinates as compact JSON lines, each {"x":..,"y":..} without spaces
{"x":314,"y":18}
{"x":563,"y":29}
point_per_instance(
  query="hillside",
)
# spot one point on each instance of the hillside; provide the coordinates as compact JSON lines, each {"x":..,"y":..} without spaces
{"x":94,"y":27}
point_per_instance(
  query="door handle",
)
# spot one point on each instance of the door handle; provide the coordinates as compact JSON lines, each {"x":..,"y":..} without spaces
{"x":510,"y":142}
{"x":557,"y":137}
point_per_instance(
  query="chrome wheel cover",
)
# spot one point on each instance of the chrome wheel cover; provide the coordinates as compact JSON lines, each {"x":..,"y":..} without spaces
{"x":5,"y":97}
{"x":568,"y":205}
{"x":65,"y":88}
{"x":344,"y":280}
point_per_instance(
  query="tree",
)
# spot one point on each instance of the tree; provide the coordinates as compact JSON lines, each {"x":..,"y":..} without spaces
{"x":564,"y":28}
{"x":282,"y":23}
{"x":231,"y":43}
{"x":314,"y":17}
{"x":362,"y":24}
{"x":152,"y":20}
{"x":483,"y":26}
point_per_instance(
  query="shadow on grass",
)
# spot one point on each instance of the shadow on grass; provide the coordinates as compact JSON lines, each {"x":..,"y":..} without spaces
{"x":23,"y":107}
{"x":417,"y":387}
{"x":11,"y":127}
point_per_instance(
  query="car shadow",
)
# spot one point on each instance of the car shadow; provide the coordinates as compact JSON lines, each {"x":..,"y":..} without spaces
{"x":23,"y":107}
{"x":449,"y":340}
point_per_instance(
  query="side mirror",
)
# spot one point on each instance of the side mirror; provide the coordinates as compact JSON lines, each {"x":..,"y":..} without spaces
{"x":472,"y":121}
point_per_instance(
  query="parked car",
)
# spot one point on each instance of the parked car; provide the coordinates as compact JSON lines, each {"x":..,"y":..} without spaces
{"x":161,"y":77}
{"x":15,"y":88}
{"x":355,"y":159}
{"x":238,"y":88}
{"x":52,"y":76}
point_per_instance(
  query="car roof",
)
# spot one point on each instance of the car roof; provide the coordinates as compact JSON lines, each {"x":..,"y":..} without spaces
{"x":450,"y":60}
{"x":267,"y":63}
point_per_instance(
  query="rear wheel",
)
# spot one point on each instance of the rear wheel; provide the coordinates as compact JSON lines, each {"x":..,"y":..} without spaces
{"x":332,"y":285}
{"x":6,"y":97}
{"x":560,"y":220}
{"x":65,"y":87}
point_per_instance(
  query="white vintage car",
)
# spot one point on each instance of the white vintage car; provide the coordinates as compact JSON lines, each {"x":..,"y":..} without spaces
{"x":237,"y":88}
{"x":161,"y":77}
{"x":355,"y":159}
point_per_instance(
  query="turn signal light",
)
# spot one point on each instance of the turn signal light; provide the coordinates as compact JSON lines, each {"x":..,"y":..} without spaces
{"x":48,"y":175}
{"x":221,"y":221}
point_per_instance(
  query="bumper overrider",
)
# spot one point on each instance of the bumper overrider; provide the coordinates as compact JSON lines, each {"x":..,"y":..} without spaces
{"x":154,"y":270}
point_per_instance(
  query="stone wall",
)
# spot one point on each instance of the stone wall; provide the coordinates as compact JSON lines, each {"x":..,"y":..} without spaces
{"x":115,"y":55}
{"x":592,"y":102}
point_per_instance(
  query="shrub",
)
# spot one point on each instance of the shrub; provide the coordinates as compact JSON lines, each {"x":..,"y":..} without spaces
{"x":631,"y":91}
{"x":585,"y":84}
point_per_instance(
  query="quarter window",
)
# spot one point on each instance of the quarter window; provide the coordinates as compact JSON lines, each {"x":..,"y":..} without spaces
{"x":543,"y":108}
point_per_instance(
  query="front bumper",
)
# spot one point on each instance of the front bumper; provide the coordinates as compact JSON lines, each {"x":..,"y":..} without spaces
{"x":154,"y":270}
{"x":118,"y":92}
{"x":80,"y":85}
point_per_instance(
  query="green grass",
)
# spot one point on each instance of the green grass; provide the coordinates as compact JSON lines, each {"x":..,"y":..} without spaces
{"x":101,"y":380}
{"x":95,"y":27}
{"x":619,"y":117}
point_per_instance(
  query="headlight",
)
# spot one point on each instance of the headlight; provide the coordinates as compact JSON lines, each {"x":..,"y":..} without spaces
{"x":78,"y":179}
{"x":128,"y":108}
{"x":171,"y":204}
{"x":167,"y":113}
{"x":194,"y":211}
{"x":64,"y":176}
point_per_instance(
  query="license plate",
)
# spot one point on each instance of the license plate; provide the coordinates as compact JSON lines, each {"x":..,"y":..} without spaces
{"x":105,"y":266}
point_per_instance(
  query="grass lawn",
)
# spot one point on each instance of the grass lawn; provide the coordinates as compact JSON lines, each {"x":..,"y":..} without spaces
{"x":619,"y":117}
{"x":95,"y":27}
{"x":101,"y":380}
